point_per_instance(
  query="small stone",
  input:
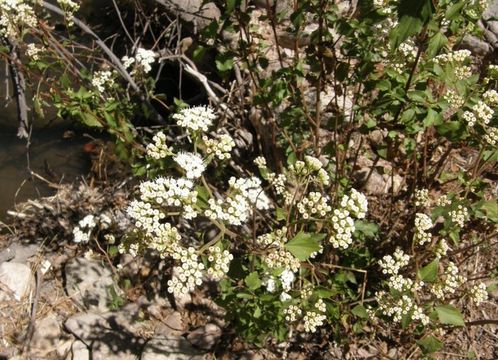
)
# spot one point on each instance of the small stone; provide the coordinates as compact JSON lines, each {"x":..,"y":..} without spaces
{"x":18,"y":280}
{"x":80,"y":351}
{"x":205,"y":337}
{"x":115,"y":345}
{"x":18,"y":253}
{"x":171,"y":348}
{"x":46,"y":336}
{"x":88,"y":283}
{"x":172,"y":326}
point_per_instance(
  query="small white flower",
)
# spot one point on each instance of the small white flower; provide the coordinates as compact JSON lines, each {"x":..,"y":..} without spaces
{"x":193,"y":164}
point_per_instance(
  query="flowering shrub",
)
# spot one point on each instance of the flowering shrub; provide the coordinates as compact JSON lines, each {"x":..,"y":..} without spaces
{"x":287,"y":239}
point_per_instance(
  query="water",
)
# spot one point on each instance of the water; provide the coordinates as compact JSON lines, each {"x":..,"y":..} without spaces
{"x":50,"y":156}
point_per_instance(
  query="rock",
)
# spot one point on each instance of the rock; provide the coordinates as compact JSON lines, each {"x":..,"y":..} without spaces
{"x":171,"y":348}
{"x":86,"y":326}
{"x":88,"y":283}
{"x":80,"y":351}
{"x":195,"y":12}
{"x":476,"y":45}
{"x":114,"y":345}
{"x":172,"y":326}
{"x":46,"y":336}
{"x":18,"y":253}
{"x":205,"y":337}
{"x":108,"y":335}
{"x":17,"y":280}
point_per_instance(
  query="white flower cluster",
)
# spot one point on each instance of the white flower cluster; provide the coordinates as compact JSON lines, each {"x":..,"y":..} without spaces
{"x":491,"y":97}
{"x":314,"y":204}
{"x":102,"y":80}
{"x":282,"y":259}
{"x":481,"y":113}
{"x":270,"y":284}
{"x":143,"y":60}
{"x":442,"y":248}
{"x":178,"y":193}
{"x":458,"y":56}
{"x":220,"y":262}
{"x":158,"y":148}
{"x":343,"y":229}
{"x":422,"y":223}
{"x":33,"y":51}
{"x":192,"y":163}
{"x":451,"y":281}
{"x":69,"y":7}
{"x":13,"y":15}
{"x":398,"y":309}
{"x":443,"y":200}
{"x":408,"y":50}
{"x":292,"y":313}
{"x":276,"y":238}
{"x":287,"y":278}
{"x":260,"y":162}
{"x":422,"y":197}
{"x":187,"y":276}
{"x":392,"y":264}
{"x":244,"y":193}
{"x":491,"y":137}
{"x":278,"y":182}
{"x":400,"y":283}
{"x":145,"y":216}
{"x":457,"y":59}
{"x":459,"y":216}
{"x":382,"y":6}
{"x":313,"y":320}
{"x":82,"y":232}
{"x":165,"y":240}
{"x":454,"y":100}
{"x":306,"y":291}
{"x":220,"y":147}
{"x":195,"y":119}
{"x":478,"y":293}
{"x":356,"y":203}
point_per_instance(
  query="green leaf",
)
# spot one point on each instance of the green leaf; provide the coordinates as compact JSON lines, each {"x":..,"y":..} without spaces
{"x":430,"y":344}
{"x":450,"y":315}
{"x":304,"y":244}
{"x":89,"y":119}
{"x":360,"y":311}
{"x":454,"y":10}
{"x":487,"y":209}
{"x":452,"y":130}
{"x":432,"y":118}
{"x":280,"y":214}
{"x":253,"y":281}
{"x":366,"y":228}
{"x":413,"y":15}
{"x":429,"y":272}
{"x":436,"y":43}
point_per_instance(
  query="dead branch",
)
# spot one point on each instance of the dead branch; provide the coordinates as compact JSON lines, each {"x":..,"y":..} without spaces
{"x":19,"y":85}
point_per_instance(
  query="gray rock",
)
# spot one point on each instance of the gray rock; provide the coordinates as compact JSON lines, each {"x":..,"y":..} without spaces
{"x":193,"y":11}
{"x":88,"y":283}
{"x":205,"y":337}
{"x":17,"y":281}
{"x":18,"y":253}
{"x":46,"y":336}
{"x":86,"y":326}
{"x":172,"y":326}
{"x":80,"y":351}
{"x":172,"y":348}
{"x":491,"y":11}
{"x":109,"y":335}
{"x":476,"y":45}
{"x":114,"y":345}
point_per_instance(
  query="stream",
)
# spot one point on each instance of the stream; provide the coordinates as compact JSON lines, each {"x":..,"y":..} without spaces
{"x":51,"y":156}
